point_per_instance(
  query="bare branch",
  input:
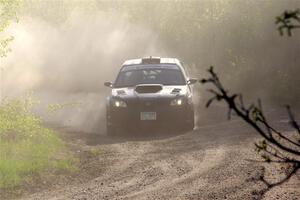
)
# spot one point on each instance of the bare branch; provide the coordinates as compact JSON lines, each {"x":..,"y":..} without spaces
{"x":275,"y":147}
{"x":288,"y":21}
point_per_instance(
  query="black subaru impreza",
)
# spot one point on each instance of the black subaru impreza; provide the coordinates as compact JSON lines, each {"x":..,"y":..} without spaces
{"x":150,"y":93}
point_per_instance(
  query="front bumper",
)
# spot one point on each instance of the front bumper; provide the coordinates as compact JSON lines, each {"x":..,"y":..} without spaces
{"x":167,"y":117}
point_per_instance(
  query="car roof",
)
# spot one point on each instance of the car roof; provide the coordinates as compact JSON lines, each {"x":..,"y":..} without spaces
{"x":152,"y":61}
{"x":158,"y":59}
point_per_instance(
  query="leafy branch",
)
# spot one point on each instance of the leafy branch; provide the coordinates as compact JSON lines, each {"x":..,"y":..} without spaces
{"x":276,"y":146}
{"x":8,"y":14}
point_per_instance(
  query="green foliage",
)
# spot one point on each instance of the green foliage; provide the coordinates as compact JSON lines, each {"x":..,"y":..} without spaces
{"x":8,"y":13}
{"x":65,"y":164}
{"x":26,"y":147}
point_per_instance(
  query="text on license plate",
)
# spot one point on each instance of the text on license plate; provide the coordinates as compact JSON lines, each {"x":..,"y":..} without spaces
{"x":148,"y":115}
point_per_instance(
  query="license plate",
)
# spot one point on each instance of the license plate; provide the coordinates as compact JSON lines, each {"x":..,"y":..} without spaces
{"x":148,"y":116}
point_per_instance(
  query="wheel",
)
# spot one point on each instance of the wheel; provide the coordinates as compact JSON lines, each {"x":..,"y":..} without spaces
{"x":110,"y":128}
{"x":191,"y":125}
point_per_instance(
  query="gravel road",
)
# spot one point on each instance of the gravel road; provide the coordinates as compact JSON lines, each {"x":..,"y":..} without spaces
{"x":211,"y":162}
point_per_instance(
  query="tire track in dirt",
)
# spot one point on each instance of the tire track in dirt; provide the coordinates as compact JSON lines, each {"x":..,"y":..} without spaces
{"x":171,"y":179}
{"x":208,"y":163}
{"x":151,"y":169}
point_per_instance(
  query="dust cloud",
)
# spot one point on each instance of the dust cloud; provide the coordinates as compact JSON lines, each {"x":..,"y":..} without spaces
{"x":69,"y":63}
{"x":63,"y":50}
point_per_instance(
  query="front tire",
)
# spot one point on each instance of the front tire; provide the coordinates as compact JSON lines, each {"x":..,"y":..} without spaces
{"x":110,"y":128}
{"x":190,"y":123}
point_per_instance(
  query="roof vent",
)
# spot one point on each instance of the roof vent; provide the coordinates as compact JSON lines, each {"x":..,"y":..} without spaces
{"x":151,"y":60}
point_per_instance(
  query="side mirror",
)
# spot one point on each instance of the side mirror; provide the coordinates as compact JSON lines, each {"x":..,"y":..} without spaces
{"x":108,"y":84}
{"x":191,"y":81}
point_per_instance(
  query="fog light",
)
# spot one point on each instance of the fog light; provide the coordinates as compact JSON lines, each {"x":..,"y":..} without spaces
{"x":120,"y":103}
{"x":179,"y":102}
{"x":176,"y":102}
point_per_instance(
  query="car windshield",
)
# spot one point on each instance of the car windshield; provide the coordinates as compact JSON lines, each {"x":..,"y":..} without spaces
{"x":166,"y":75}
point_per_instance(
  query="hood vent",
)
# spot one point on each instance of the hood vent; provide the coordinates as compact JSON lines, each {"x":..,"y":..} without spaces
{"x":176,"y":91}
{"x":148,"y":88}
{"x":121,"y":92}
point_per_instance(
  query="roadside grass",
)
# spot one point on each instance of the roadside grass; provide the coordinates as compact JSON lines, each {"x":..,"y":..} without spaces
{"x":26,"y":146}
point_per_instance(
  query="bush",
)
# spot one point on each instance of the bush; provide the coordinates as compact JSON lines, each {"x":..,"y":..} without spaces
{"x":26,"y":146}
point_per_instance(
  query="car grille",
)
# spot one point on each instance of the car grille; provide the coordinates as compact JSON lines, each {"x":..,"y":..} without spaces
{"x":149,"y":104}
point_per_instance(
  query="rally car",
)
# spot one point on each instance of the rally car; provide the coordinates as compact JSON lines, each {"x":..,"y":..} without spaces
{"x":150,"y":92}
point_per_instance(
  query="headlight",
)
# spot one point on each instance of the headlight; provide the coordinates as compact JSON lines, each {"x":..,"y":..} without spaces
{"x":176,"y":102}
{"x":119,"y":103}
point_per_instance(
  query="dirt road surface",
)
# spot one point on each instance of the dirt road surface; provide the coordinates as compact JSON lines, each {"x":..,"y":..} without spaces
{"x":211,"y":162}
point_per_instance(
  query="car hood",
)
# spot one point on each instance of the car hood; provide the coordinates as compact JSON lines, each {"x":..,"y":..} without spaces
{"x":163,"y":91}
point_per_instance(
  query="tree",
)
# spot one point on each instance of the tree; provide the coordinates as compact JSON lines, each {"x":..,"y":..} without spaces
{"x":8,"y":13}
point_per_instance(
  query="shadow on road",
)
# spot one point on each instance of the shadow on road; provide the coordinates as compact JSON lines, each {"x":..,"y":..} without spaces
{"x":93,"y":139}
